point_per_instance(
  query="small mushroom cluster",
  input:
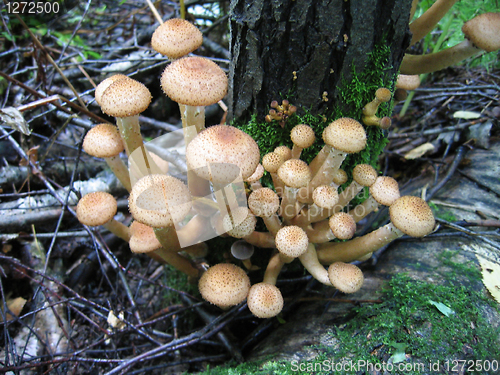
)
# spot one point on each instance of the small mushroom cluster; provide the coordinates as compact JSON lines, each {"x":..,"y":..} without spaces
{"x":281,"y":112}
{"x":304,"y":213}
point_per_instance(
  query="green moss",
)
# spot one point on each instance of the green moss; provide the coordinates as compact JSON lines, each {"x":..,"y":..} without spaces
{"x":408,"y":326}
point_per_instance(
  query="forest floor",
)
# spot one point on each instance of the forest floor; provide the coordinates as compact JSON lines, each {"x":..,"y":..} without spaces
{"x":74,"y":300}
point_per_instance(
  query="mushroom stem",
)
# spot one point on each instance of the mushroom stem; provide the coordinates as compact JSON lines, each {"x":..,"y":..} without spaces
{"x":168,"y":252}
{"x":118,"y":229}
{"x":261,"y":239}
{"x":421,"y":64}
{"x":349,"y":251}
{"x":311,"y":263}
{"x":424,"y":24}
{"x":273,"y":269}
{"x":320,"y":232}
{"x":363,"y":209}
{"x":120,"y":170}
{"x":130,"y":132}
{"x":192,"y":116}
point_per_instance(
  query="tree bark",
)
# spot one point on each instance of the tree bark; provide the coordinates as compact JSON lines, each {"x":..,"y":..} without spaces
{"x":318,"y":42}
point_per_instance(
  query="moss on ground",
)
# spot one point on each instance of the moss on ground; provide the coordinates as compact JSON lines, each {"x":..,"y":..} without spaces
{"x":417,"y":324}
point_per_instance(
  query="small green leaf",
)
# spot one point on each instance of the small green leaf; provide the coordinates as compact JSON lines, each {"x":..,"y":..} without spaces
{"x":399,"y":354}
{"x":445,"y":310}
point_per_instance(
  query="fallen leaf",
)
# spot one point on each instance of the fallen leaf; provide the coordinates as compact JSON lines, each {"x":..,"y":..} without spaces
{"x":491,"y":276}
{"x":466,"y":115}
{"x":15,"y":306}
{"x":419,"y":151}
{"x":445,"y":310}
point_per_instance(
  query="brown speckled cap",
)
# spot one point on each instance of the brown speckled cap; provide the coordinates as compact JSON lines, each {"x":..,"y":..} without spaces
{"x":265,"y":300}
{"x":295,"y":173}
{"x":484,"y":31}
{"x":125,"y":97}
{"x":364,"y":174}
{"x":155,"y":198}
{"x":96,"y":208}
{"x":142,"y":238}
{"x":345,"y":134}
{"x":224,"y":285}
{"x":176,"y":38}
{"x":194,"y":81}
{"x":272,"y":161}
{"x":385,"y":190}
{"x":325,"y":196}
{"x":101,"y":87}
{"x":263,"y":202}
{"x":342,"y":225}
{"x":239,"y":223}
{"x":221,"y":144}
{"x":103,"y":141}
{"x":412,"y":216}
{"x":292,"y":241}
{"x":302,"y":135}
{"x":346,"y":277}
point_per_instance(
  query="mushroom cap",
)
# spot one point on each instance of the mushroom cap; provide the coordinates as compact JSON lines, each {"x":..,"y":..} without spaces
{"x":345,"y":134}
{"x":101,"y":87}
{"x":346,"y":277}
{"x":302,"y":135}
{"x":340,"y":177}
{"x":272,"y":161}
{"x":265,"y":300}
{"x":484,"y":31}
{"x":284,"y":151}
{"x":408,"y":82}
{"x":242,"y":250}
{"x":103,"y":141}
{"x":412,"y":216}
{"x":157,"y":200}
{"x":96,"y":208}
{"x":364,"y":174}
{"x":194,"y":81}
{"x":292,"y":241}
{"x":125,"y":97}
{"x":221,"y":145}
{"x":256,"y":175}
{"x":385,"y":190}
{"x":176,"y":37}
{"x":263,"y":202}
{"x":224,"y":285}
{"x":142,"y":238}
{"x":342,"y":225}
{"x":239,"y":223}
{"x":325,"y":196}
{"x":383,"y":94}
{"x":295,"y":173}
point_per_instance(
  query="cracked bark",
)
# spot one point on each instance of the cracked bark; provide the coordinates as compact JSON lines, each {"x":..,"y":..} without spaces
{"x":321,"y":41}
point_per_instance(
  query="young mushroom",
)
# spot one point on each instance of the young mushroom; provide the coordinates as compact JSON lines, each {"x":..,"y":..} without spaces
{"x":175,"y":38}
{"x":291,"y":242}
{"x":242,"y":250}
{"x":382,"y":95}
{"x":409,"y":215}
{"x":99,"y":208}
{"x":224,"y":285}
{"x":295,"y":175}
{"x":265,"y":300}
{"x":346,"y":277}
{"x":104,"y":141}
{"x":265,"y":203}
{"x":302,"y":137}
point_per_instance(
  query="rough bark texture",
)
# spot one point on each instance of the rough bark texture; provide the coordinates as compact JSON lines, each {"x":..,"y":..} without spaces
{"x":321,"y":41}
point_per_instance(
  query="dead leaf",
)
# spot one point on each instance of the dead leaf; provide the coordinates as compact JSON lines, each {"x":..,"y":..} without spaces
{"x":491,"y":276}
{"x":15,"y":306}
{"x":419,"y":151}
{"x":14,"y":119}
{"x":466,"y":115}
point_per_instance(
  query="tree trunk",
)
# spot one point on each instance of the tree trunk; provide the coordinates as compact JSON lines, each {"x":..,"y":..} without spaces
{"x":303,"y":48}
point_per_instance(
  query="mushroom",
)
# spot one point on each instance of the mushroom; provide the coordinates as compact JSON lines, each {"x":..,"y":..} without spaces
{"x":409,"y":215}
{"x":99,"y":208}
{"x":264,"y":300}
{"x":343,"y":136}
{"x":125,"y":99}
{"x":302,"y":137}
{"x":384,"y":191}
{"x":291,"y":242}
{"x":383,"y":123}
{"x":265,"y":203}
{"x":254,"y":179}
{"x":309,"y":260}
{"x":382,"y":95}
{"x":284,"y":152}
{"x":242,"y":250}
{"x":325,"y":197}
{"x":482,"y":33}
{"x":194,"y":82}
{"x":175,"y":38}
{"x":104,"y":141}
{"x":295,"y":174}
{"x":271,"y":163}
{"x":240,"y":223}
{"x":346,"y":277}
{"x":340,"y":225}
{"x":363,"y":175}
{"x":224,"y":285}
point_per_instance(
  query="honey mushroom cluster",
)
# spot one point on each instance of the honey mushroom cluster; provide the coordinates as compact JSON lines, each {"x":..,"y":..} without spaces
{"x":280,"y":112}
{"x":303,"y":214}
